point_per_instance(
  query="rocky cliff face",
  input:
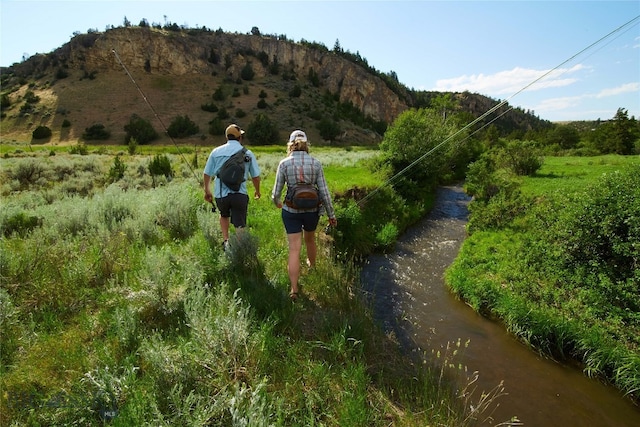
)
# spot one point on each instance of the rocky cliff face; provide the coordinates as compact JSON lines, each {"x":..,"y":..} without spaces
{"x":181,"y":53}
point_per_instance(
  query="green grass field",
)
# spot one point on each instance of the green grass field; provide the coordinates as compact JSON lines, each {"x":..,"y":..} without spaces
{"x":573,"y":173}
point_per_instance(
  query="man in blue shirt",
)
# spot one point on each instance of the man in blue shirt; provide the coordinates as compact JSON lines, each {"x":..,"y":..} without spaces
{"x":233,"y":205}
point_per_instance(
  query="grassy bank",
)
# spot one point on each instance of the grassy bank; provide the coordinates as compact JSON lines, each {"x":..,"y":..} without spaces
{"x":561,"y":271}
{"x":118,"y":304}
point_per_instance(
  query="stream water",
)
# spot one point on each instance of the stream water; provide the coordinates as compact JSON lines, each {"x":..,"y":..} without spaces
{"x":410,"y":298}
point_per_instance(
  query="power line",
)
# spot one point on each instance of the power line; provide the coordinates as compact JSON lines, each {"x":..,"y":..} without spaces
{"x":155,"y":113}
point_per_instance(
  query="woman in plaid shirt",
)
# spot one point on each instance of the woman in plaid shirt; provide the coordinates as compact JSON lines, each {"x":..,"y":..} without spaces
{"x":300,"y":167}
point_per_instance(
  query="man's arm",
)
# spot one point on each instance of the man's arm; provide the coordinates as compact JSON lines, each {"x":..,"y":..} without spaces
{"x":207,"y":188}
{"x":256,"y":186}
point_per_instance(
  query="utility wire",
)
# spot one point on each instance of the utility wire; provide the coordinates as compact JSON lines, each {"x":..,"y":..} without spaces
{"x":496,"y":107}
{"x":155,"y":113}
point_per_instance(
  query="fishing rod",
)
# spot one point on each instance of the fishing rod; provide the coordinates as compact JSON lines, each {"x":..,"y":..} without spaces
{"x":627,"y":25}
{"x":166,"y":131}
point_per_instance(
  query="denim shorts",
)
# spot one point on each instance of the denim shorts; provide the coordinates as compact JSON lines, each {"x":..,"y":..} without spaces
{"x":296,"y":222}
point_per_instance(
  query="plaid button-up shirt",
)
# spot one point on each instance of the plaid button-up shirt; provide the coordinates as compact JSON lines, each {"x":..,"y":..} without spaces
{"x":297,"y":168}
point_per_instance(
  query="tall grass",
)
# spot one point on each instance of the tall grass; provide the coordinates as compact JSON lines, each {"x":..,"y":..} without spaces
{"x":119,"y":306}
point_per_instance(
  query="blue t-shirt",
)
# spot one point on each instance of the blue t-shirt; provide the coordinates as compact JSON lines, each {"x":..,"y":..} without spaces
{"x":216,"y":159}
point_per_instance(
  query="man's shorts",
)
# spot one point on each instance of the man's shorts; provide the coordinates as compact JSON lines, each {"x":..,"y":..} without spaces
{"x":235,"y":205}
{"x":296,"y":222}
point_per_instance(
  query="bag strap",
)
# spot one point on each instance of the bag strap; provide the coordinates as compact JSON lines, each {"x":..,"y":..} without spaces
{"x":300,"y":173}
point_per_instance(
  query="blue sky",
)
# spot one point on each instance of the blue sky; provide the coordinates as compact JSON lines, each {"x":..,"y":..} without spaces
{"x":496,"y":48}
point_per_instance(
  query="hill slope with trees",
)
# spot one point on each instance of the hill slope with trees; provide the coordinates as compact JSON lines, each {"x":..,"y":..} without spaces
{"x":159,"y":74}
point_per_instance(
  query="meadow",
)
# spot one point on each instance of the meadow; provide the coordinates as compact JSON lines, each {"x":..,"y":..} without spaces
{"x":119,"y":306}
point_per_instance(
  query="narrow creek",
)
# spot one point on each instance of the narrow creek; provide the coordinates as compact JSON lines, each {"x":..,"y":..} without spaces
{"x":411,"y":299}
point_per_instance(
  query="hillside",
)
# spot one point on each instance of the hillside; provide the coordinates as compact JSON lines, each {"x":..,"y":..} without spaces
{"x":174,"y":73}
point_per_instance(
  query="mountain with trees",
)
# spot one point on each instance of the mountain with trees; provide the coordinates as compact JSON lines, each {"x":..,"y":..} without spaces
{"x":151,"y":78}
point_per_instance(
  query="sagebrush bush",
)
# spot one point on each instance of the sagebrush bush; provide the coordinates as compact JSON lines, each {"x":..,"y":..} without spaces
{"x":177,"y":212}
{"x":27,"y":172}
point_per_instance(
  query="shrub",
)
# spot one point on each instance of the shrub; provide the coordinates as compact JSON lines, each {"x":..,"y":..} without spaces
{"x":5,"y":101}
{"x":219,"y":94}
{"x":216,"y":127}
{"x":31,"y":98}
{"x":599,"y":229}
{"x":117,"y":170}
{"x":61,"y":73}
{"x":182,"y":126}
{"x":296,"y":91}
{"x":497,"y":212}
{"x":160,"y":165}
{"x":521,"y":157}
{"x":41,"y":132}
{"x":96,"y":132}
{"x":247,"y":72}
{"x":263,"y":131}
{"x":387,"y":236}
{"x":27,"y":172}
{"x":262,"y":104}
{"x":329,"y":129}
{"x":223,"y":114}
{"x":210,"y":107}
{"x":415,"y":135}
{"x":140,"y":129}
{"x":66,"y":123}
{"x":19,"y":223}
{"x":132,"y":146}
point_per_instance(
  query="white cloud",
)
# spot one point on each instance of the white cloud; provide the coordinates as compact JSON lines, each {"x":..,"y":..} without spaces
{"x":625,"y":88}
{"x":557,"y":104}
{"x":509,"y":81}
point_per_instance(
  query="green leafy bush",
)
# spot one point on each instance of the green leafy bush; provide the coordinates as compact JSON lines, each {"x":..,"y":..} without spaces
{"x":599,"y":229}
{"x":521,"y":157}
{"x":96,"y":132}
{"x":19,"y":222}
{"x":140,"y":129}
{"x":329,"y":129}
{"x":247,"y":72}
{"x":182,"y":127}
{"x":263,"y":131}
{"x":161,"y":165}
{"x":216,"y":127}
{"x":117,"y":170}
